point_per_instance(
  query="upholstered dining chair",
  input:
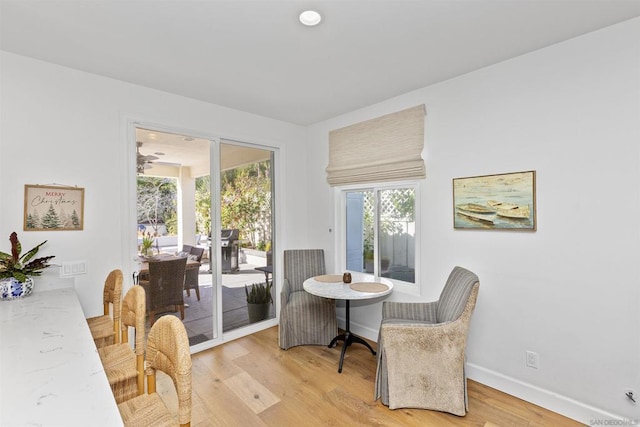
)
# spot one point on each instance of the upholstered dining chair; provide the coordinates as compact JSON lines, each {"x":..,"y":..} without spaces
{"x":191,"y":277}
{"x":167,"y":351}
{"x":105,"y":329}
{"x":125,"y":366}
{"x":421,"y":349}
{"x":165,"y":287}
{"x":304,"y":318}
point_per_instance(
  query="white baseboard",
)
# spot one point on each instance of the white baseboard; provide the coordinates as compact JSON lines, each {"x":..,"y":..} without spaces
{"x":555,"y":402}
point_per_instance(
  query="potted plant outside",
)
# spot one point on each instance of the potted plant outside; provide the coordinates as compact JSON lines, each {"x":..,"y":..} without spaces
{"x":17,"y":271}
{"x":146,"y":248}
{"x":258,"y":301}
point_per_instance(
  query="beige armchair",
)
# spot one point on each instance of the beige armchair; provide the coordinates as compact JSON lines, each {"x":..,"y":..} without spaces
{"x":305,"y":319}
{"x":421,"y":349}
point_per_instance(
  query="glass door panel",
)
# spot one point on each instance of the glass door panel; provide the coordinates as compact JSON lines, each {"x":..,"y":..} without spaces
{"x":246,"y":234}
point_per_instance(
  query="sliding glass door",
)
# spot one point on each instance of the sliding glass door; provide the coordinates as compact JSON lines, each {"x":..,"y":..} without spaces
{"x":212,"y":202}
{"x":246,"y":240}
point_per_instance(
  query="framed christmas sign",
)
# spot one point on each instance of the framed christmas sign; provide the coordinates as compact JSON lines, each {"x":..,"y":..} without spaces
{"x":53,"y":207}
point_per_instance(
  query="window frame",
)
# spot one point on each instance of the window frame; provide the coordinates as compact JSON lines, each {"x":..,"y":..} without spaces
{"x":341,"y":244}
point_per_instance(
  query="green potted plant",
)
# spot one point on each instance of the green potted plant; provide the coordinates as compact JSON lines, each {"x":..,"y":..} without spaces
{"x":259,"y":300}
{"x":17,"y":271}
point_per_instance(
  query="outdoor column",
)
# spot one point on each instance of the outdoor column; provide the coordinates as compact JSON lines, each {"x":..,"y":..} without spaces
{"x":186,"y":208}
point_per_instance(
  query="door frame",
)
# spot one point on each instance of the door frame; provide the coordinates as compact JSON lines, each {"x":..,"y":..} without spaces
{"x":129,"y":242}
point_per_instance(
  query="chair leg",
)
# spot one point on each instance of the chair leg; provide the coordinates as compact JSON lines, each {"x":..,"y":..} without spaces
{"x":189,"y":293}
{"x":197,"y":292}
{"x":181,"y":306}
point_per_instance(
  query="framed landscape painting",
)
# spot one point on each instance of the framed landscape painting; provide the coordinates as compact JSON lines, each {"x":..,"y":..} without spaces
{"x":495,"y":202}
{"x":51,"y":208}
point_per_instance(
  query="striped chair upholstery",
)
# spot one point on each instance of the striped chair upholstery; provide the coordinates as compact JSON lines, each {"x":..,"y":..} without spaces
{"x":305,"y":319}
{"x":432,"y":377}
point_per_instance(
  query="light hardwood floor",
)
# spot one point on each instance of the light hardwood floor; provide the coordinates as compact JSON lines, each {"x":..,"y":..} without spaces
{"x":252,"y":382}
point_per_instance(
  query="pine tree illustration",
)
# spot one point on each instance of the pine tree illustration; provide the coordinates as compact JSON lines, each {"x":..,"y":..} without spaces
{"x":75,"y":221}
{"x":30,"y":221}
{"x":50,"y":219}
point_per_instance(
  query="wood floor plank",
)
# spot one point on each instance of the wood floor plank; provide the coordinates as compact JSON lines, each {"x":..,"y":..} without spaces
{"x":301,"y":386}
{"x":256,"y":396}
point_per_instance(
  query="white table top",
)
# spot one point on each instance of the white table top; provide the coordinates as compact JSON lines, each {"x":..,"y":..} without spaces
{"x":343,"y":291}
{"x":50,"y":371}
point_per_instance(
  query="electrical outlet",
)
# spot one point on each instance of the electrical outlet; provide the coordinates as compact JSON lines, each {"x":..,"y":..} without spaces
{"x":73,"y":268}
{"x":532,"y":359}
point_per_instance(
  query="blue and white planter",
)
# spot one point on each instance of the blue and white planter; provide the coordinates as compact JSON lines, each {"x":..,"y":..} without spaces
{"x":11,"y":288}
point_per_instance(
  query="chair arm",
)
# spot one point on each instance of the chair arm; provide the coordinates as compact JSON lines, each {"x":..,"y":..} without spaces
{"x":420,"y":311}
{"x":286,"y":291}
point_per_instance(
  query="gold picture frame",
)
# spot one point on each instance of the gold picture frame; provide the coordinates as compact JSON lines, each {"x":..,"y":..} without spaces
{"x":53,"y":208}
{"x":495,"y":202}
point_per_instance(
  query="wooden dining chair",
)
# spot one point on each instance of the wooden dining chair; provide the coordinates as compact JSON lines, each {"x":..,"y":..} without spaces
{"x":167,"y":351}
{"x":165,"y":287}
{"x":123,"y":365}
{"x":105,"y":329}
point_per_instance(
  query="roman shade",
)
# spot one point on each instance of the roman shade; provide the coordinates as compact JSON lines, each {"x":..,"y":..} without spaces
{"x":387,"y":148}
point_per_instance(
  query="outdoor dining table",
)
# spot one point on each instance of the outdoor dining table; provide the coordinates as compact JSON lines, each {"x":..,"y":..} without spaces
{"x":362,"y":286}
{"x":144,"y":266}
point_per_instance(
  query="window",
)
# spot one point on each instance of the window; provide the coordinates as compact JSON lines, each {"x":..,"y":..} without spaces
{"x":380,"y":231}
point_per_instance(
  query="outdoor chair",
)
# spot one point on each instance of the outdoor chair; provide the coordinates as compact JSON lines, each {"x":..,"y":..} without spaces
{"x":165,"y":287}
{"x":421,"y":349}
{"x":191,"y":278}
{"x":305,"y":319}
{"x":105,"y":329}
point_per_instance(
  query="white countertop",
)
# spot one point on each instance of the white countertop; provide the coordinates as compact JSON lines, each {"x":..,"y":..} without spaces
{"x":50,"y":371}
{"x":343,"y":291}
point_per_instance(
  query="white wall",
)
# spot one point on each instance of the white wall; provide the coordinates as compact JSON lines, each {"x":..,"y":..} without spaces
{"x":569,"y":291}
{"x":571,"y":112}
{"x":59,"y":125}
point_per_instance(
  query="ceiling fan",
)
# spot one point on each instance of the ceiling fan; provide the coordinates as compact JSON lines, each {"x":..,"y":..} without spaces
{"x":143,"y":162}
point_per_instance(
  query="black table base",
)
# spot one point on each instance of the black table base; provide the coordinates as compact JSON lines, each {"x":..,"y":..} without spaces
{"x":347,"y":339}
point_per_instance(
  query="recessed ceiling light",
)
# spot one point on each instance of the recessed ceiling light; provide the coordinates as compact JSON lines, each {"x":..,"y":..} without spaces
{"x":310,"y":18}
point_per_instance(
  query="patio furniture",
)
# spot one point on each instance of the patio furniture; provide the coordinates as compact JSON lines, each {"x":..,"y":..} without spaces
{"x":305,"y":318}
{"x":192,"y":274}
{"x":165,"y":287}
{"x":421,"y":349}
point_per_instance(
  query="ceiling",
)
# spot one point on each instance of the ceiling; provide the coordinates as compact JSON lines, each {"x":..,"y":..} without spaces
{"x":256,"y":57}
{"x":167,"y":153}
